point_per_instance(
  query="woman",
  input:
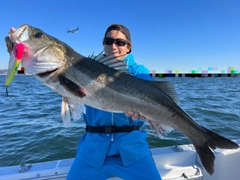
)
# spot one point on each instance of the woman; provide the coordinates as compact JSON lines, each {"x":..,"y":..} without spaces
{"x":113,"y":145}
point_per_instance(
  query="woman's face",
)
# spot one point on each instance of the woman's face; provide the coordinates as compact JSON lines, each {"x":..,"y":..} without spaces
{"x":115,"y":48}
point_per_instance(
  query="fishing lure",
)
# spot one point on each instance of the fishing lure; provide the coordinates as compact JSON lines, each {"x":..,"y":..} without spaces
{"x":14,"y":62}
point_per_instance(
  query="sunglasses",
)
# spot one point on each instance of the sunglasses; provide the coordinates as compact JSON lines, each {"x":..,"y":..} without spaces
{"x":117,"y":42}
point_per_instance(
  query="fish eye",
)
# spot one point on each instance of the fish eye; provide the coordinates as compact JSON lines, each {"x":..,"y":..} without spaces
{"x":38,"y":34}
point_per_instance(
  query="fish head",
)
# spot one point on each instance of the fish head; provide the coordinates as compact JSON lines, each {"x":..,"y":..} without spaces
{"x":43,"y":54}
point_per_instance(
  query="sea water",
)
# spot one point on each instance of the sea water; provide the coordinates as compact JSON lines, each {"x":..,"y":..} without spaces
{"x":31,"y":129}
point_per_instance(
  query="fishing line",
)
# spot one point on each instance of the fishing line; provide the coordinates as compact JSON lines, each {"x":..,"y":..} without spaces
{"x":6,"y":93}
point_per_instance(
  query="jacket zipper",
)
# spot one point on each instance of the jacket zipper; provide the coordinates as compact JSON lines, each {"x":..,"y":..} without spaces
{"x":112,"y":136}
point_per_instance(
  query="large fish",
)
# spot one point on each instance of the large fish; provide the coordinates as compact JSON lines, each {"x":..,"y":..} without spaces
{"x":101,"y":83}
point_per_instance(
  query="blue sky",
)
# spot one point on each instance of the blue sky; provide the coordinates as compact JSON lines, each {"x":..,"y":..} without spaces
{"x":181,"y":35}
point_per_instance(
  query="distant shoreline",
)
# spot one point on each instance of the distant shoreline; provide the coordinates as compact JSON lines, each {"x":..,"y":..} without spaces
{"x":163,"y":75}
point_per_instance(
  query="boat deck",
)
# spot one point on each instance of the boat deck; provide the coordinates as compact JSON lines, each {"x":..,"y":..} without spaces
{"x":173,"y":163}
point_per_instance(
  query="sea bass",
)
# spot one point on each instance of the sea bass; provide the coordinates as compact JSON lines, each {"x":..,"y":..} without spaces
{"x":101,"y":82}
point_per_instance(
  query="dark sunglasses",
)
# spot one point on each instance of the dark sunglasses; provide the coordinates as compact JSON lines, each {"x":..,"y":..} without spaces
{"x":117,"y":42}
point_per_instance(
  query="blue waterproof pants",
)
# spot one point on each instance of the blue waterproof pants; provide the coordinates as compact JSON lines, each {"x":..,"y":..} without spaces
{"x":143,"y":169}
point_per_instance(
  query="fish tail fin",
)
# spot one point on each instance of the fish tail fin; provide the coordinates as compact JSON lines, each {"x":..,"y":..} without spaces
{"x":217,"y":141}
{"x":207,"y":157}
{"x":213,"y":141}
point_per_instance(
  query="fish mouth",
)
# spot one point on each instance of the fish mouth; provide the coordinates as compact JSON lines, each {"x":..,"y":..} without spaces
{"x":47,"y":73}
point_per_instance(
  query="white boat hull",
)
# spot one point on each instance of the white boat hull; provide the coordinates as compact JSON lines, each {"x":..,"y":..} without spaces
{"x":173,"y":163}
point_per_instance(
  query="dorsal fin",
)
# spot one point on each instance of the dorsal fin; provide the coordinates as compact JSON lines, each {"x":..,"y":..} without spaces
{"x":111,"y":62}
{"x":168,"y":88}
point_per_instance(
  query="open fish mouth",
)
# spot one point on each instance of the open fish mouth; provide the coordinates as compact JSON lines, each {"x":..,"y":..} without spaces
{"x":47,"y":73}
{"x":40,"y":68}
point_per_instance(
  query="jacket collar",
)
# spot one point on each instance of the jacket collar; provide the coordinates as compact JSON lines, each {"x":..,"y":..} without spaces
{"x":130,"y":60}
